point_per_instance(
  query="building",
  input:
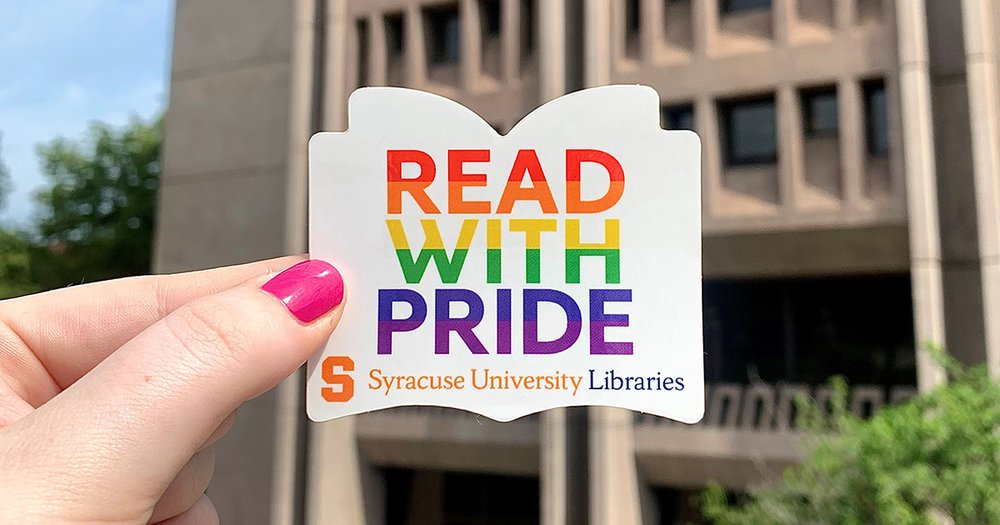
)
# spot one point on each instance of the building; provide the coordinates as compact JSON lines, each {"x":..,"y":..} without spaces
{"x":851,"y":202}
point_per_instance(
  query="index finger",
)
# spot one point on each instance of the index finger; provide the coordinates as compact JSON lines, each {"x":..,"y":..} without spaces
{"x":49,"y":340}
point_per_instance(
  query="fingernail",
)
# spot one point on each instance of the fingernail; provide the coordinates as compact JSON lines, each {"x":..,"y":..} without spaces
{"x":309,"y":289}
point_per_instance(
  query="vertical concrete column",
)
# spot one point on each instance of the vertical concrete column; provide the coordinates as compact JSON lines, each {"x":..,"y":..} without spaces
{"x":597,"y":51}
{"x":552,"y":466}
{"x":334,"y":468}
{"x":552,"y":434}
{"x":551,"y":48}
{"x":511,"y":26}
{"x":852,"y":141}
{"x":335,"y":85}
{"x":651,"y":23}
{"x":471,"y":44}
{"x":287,"y":447}
{"x":921,"y":186}
{"x":614,"y":479}
{"x":784,"y":16}
{"x":981,"y":37}
{"x":711,"y":154}
{"x":845,"y":13}
{"x":335,"y":471}
{"x":705,"y":19}
{"x":289,"y":409}
{"x":301,"y":122}
{"x":791,"y":159}
{"x":416,"y":55}
{"x":615,"y":27}
{"x":614,"y":488}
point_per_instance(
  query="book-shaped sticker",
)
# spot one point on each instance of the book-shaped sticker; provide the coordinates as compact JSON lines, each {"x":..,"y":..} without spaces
{"x":557,"y":265}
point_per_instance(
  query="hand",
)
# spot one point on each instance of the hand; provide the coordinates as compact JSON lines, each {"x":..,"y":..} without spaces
{"x":112,"y":393}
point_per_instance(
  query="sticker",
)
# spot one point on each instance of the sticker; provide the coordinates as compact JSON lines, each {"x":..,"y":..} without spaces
{"x":557,"y":265}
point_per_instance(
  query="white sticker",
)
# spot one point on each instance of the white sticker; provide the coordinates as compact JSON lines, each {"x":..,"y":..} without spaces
{"x":557,"y":265}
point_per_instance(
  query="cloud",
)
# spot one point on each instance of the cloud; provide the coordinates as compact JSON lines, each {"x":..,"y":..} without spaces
{"x":67,"y":64}
{"x":9,"y":91}
{"x":73,"y":93}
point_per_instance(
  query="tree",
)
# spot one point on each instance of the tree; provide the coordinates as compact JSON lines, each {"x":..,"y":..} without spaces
{"x":15,"y":265}
{"x":5,"y":183}
{"x":98,"y":214}
{"x":935,"y":459}
{"x":15,"y":251}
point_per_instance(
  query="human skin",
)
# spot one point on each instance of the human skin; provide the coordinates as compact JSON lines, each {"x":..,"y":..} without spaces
{"x":112,"y":393}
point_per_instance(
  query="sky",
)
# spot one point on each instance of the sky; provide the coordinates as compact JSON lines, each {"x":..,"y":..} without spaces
{"x":66,"y":63}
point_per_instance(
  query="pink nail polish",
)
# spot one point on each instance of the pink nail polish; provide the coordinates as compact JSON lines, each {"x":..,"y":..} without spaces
{"x":309,"y":289}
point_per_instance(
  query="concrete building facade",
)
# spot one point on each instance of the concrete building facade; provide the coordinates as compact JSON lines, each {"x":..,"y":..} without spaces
{"x":851,"y":215}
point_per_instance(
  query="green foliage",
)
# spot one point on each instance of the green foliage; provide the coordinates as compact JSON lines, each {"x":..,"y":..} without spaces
{"x":15,"y":251}
{"x":934,"y":459}
{"x":15,"y":265}
{"x":5,"y":183}
{"x":98,"y":212}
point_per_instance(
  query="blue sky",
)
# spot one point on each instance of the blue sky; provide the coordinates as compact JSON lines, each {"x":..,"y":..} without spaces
{"x":65,"y":63}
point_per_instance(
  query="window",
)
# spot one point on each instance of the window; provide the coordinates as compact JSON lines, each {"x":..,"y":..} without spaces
{"x":435,"y":496}
{"x":676,"y":505}
{"x":484,"y":499}
{"x":527,"y":28}
{"x":491,"y":45}
{"x":677,"y":25}
{"x":876,"y":118}
{"x":798,"y":325}
{"x":632,"y":17}
{"x":443,"y":35}
{"x":395,"y":35}
{"x":394,"y":25}
{"x":633,"y":30}
{"x":749,"y":131}
{"x":489,"y":13}
{"x":679,"y":116}
{"x":362,"y":29}
{"x":732,"y":6}
{"x":819,"y":109}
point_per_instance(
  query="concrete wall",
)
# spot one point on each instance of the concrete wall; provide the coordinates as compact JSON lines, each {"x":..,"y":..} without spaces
{"x":223,"y":194}
{"x":956,"y":190}
{"x":693,"y":53}
{"x":494,"y":77}
{"x":226,"y":134}
{"x":825,"y":207}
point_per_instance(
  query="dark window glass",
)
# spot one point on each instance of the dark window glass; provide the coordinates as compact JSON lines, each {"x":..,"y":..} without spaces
{"x":750,"y":131}
{"x":394,"y":34}
{"x":527,"y":27}
{"x":680,"y":116}
{"x":819,"y":108}
{"x":876,"y":118}
{"x":489,"y":499}
{"x":444,"y":35}
{"x":807,"y":330}
{"x":677,"y":505}
{"x":632,"y":16}
{"x":362,"y":30}
{"x":489,"y":11}
{"x":730,"y":6}
{"x":398,"y":487}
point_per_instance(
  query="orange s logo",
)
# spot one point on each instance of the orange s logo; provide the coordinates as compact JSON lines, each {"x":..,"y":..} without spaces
{"x":331,"y":377}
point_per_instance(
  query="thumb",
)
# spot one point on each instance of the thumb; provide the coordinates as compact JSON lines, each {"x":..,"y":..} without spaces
{"x":128,"y":426}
